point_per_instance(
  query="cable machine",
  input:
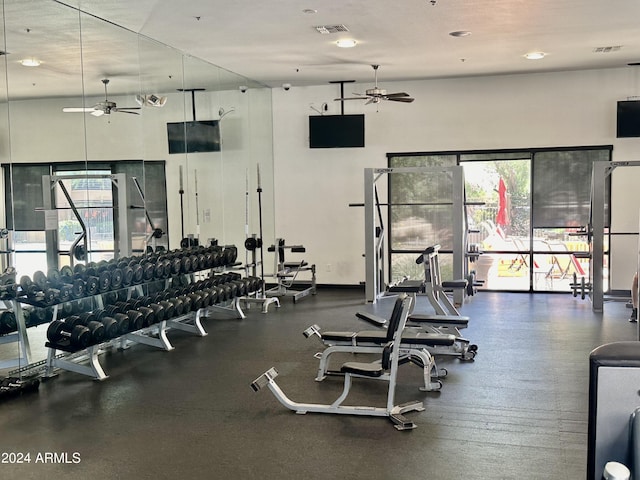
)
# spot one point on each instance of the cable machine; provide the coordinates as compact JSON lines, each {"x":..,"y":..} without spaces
{"x":375,"y":275}
{"x":600,"y":173}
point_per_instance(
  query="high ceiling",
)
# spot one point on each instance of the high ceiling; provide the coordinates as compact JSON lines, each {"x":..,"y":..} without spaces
{"x":276,"y":42}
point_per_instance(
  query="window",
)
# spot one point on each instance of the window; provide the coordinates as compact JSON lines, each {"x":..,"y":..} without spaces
{"x":524,"y":208}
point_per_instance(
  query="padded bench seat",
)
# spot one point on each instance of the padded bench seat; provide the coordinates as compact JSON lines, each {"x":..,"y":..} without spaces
{"x":454,"y":284}
{"x":379,"y":337}
{"x":453,"y":320}
{"x":408,"y":286}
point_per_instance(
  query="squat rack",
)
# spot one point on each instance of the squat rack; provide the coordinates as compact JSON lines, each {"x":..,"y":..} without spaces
{"x":375,"y":277}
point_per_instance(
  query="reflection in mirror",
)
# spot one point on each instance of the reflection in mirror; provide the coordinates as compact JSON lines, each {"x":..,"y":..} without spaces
{"x":92,"y":183}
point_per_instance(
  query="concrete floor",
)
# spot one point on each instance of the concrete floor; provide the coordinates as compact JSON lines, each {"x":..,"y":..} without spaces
{"x":519,"y":411}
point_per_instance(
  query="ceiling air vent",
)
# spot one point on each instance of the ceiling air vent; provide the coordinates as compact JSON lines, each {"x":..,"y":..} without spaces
{"x":326,"y":29}
{"x":614,"y":48}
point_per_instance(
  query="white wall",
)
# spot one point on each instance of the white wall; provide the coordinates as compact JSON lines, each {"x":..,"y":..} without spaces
{"x":314,"y":187}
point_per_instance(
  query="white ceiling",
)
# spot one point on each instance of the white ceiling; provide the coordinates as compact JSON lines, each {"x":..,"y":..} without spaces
{"x":275,"y":42}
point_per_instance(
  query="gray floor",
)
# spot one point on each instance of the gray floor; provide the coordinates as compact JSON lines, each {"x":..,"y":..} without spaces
{"x":519,"y":411}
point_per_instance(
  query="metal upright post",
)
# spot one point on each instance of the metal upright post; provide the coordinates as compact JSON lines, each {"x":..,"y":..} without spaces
{"x":459,"y":230}
{"x":372,"y":286}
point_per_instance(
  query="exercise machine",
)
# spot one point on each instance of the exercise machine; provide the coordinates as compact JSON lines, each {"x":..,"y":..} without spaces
{"x":432,"y":285}
{"x":384,"y":369}
{"x":414,"y":348}
{"x":375,"y":275}
{"x":287,"y":273}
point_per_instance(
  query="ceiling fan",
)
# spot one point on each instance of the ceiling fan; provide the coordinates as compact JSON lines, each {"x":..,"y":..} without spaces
{"x":376,"y":94}
{"x":102,"y":108}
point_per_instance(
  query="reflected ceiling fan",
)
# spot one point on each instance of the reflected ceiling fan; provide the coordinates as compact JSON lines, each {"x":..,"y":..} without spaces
{"x":376,"y":94}
{"x":103,"y":108}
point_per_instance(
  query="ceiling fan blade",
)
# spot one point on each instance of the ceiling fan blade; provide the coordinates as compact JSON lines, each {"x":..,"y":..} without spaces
{"x":128,"y":108}
{"x":401,"y":99}
{"x":398,"y":94}
{"x":78,"y":109}
{"x":349,"y":98}
{"x":120,"y":110}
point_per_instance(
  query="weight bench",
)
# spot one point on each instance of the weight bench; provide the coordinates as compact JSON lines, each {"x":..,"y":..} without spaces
{"x":384,"y":369}
{"x":287,"y":273}
{"x":434,"y":325}
{"x":414,"y":347}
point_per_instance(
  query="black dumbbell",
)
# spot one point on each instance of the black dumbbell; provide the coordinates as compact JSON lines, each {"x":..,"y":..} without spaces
{"x":111,"y":328}
{"x":136,"y":320}
{"x":88,"y":320}
{"x":158,"y":312}
{"x":123,"y":322}
{"x":78,"y":336}
{"x":8,"y":322}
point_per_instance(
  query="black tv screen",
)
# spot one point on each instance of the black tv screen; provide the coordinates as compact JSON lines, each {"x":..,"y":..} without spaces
{"x":193,"y":137}
{"x":336,"y":131}
{"x":628,"y":119}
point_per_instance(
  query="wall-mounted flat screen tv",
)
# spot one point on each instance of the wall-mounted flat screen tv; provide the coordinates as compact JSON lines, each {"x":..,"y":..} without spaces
{"x":628,"y":119}
{"x":194,"y":137}
{"x":336,"y":131}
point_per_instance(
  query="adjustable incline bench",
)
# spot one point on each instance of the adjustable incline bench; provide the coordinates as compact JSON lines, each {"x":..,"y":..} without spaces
{"x":414,"y":347}
{"x":385,"y":369}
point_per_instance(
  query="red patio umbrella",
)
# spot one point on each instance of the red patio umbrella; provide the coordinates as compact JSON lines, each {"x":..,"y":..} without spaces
{"x":502,"y":217}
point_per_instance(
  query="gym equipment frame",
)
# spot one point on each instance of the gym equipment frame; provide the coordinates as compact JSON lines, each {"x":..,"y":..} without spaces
{"x":20,"y":337}
{"x":122,"y":235}
{"x":386,"y":369}
{"x":375,"y":275}
{"x":601,"y":170}
{"x":286,"y":273}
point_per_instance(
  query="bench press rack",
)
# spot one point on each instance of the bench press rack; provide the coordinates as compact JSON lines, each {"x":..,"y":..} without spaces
{"x":286,"y":273}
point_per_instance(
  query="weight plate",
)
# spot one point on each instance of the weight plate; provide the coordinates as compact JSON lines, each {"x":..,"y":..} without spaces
{"x":92,"y":286}
{"x":53,"y":275}
{"x":138,"y":273}
{"x":104,"y":281}
{"x":127,"y":276}
{"x":78,"y":288}
{"x":148,"y":271}
{"x":66,"y":272}
{"x":116,"y":278}
{"x":40,"y":279}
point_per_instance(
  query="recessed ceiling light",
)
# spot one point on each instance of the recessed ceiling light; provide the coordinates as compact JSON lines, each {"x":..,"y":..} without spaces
{"x":30,"y":62}
{"x":346,"y":43}
{"x":309,"y":11}
{"x":535,"y":55}
{"x":460,"y":33}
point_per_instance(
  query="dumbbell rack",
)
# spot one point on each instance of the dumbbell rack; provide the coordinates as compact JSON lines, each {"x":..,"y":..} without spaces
{"x":20,"y":337}
{"x":86,"y":361}
{"x":154,"y":336}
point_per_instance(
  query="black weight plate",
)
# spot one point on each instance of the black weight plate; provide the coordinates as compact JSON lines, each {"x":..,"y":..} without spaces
{"x":53,"y":275}
{"x":79,"y":269}
{"x":78,"y":288}
{"x":116,"y":278}
{"x":66,"y":272}
{"x":148,"y":271}
{"x":158,"y":271}
{"x":104,"y":281}
{"x":40,"y":279}
{"x":138,"y":273}
{"x":127,"y":276}
{"x":92,"y":286}
{"x":25,"y":282}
